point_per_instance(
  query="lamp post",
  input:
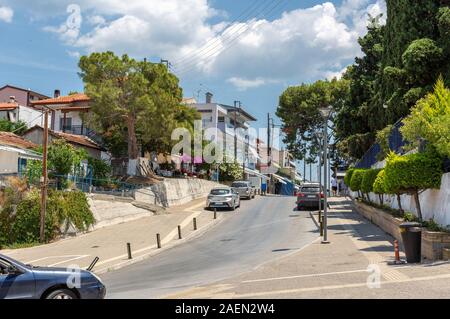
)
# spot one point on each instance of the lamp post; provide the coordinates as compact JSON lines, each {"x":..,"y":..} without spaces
{"x":325,"y":112}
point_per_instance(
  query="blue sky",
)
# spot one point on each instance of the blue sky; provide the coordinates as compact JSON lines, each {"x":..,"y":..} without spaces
{"x":247,"y":50}
{"x":36,"y":55}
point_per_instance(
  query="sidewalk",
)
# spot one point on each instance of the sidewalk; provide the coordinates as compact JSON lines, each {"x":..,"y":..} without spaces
{"x":340,"y":269}
{"x":109,"y":243}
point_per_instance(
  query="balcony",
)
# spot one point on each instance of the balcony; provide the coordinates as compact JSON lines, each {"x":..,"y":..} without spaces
{"x":84,"y":131}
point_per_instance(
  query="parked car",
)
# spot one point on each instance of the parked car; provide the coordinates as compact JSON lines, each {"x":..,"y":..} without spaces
{"x":223,"y":197}
{"x":20,"y":281}
{"x":244,"y":188}
{"x":308,"y":196}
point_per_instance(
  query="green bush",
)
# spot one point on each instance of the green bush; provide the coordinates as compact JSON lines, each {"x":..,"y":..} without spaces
{"x":421,"y":56}
{"x":378,"y":185}
{"x":410,"y":173}
{"x":20,"y":224}
{"x":348,"y":176}
{"x":430,"y":120}
{"x":356,"y":180}
{"x":368,"y":180}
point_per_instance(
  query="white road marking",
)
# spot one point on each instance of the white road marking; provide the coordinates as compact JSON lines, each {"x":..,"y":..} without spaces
{"x":356,"y":285}
{"x":48,"y":257}
{"x":65,"y":261}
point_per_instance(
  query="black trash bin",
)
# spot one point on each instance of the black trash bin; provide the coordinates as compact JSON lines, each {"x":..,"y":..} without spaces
{"x":412,"y":241}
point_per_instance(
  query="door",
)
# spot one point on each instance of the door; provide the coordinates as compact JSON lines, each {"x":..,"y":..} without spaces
{"x":15,"y":286}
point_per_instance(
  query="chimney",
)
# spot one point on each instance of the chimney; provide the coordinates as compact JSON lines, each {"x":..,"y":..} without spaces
{"x":57,"y":94}
{"x":12,"y":99}
{"x":209,"y":97}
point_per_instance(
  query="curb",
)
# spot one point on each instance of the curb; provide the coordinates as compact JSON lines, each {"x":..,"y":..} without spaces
{"x":172,"y":243}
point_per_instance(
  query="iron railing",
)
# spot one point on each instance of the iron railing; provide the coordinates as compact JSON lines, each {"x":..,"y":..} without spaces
{"x":396,"y":144}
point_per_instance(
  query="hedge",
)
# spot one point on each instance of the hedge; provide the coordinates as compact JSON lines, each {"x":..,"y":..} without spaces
{"x":356,"y":180}
{"x":368,"y":180}
{"x":21,"y":225}
{"x":410,"y":173}
{"x":378,"y":185}
{"x":348,"y":176}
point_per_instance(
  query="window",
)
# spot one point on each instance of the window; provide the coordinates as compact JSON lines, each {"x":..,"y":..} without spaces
{"x":68,"y":124}
{"x":221,"y":119}
{"x":240,"y":184}
{"x":220,"y":192}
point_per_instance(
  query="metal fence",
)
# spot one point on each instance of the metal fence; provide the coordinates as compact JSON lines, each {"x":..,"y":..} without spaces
{"x":396,"y":144}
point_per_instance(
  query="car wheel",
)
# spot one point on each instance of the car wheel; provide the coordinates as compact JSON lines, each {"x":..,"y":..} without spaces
{"x":62,"y":294}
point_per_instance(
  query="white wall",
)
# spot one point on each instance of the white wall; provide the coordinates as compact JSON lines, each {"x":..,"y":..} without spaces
{"x":435,"y":203}
{"x":31,"y":116}
{"x":8,"y":162}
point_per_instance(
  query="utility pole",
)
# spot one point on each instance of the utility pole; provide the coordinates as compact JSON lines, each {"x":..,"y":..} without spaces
{"x":320,"y":183}
{"x":235,"y":136}
{"x":304,"y":169}
{"x":166,"y":62}
{"x":325,"y":167}
{"x":44,"y":180}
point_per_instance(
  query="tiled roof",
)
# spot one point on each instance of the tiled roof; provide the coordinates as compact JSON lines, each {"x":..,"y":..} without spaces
{"x":7,"y":138}
{"x":78,"y":97}
{"x":78,"y":139}
{"x":8,"y":106}
{"x":70,"y":138}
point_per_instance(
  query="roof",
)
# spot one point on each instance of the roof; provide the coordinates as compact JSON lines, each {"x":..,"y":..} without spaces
{"x":239,"y":110}
{"x":70,"y":138}
{"x":23,"y":153}
{"x":8,"y":138}
{"x":78,"y":97}
{"x":25,"y":90}
{"x":8,"y":106}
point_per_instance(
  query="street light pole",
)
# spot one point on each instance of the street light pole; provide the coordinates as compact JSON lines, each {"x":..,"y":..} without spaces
{"x":325,"y":167}
{"x":326,"y":114}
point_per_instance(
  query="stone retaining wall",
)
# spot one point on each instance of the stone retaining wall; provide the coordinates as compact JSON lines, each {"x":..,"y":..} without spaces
{"x":433,"y":243}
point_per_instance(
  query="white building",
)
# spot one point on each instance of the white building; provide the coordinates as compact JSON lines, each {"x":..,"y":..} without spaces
{"x":229,"y":122}
{"x":14,"y":112}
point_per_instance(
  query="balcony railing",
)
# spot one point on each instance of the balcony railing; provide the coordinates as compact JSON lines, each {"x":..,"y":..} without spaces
{"x":82,"y":130}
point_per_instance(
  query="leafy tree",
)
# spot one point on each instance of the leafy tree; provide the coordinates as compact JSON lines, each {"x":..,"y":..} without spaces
{"x":412,"y":174}
{"x":368,"y":181}
{"x":348,"y":176}
{"x":354,"y":129}
{"x":430,"y":120}
{"x":299,"y":110}
{"x":355,"y":182}
{"x":16,"y":127}
{"x":136,"y":101}
{"x":379,"y":185}
{"x":230,"y":171}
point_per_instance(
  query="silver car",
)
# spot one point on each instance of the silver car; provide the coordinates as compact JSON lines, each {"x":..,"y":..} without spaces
{"x":244,"y":189}
{"x":223,"y":197}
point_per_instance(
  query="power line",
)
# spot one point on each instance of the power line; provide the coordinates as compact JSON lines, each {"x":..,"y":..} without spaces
{"x":223,"y":39}
{"x":230,"y":44}
{"x":215,"y":38}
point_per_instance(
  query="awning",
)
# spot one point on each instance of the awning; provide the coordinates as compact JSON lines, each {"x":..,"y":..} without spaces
{"x":279,"y":178}
{"x":256,"y":173}
{"x":22,"y":153}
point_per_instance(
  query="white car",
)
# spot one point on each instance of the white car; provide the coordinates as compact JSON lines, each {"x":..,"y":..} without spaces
{"x":223,"y":197}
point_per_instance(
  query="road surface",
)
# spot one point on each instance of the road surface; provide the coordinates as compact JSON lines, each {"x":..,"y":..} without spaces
{"x":262,"y":230}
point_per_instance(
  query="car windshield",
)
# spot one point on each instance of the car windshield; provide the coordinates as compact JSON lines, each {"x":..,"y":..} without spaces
{"x":220,"y":192}
{"x":239,"y":185}
{"x":310,"y":190}
{"x":7,"y":262}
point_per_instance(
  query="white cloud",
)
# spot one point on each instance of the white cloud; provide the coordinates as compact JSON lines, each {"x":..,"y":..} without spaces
{"x":6,"y":14}
{"x":244,"y":84}
{"x":74,"y":54}
{"x":301,"y":45}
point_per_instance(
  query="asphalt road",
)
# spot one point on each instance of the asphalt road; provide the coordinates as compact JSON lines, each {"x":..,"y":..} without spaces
{"x":262,"y":230}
